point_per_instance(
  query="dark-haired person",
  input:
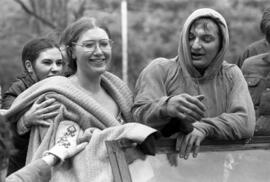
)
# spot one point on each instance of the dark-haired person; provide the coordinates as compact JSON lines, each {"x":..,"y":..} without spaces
{"x":196,"y":93}
{"x":41,"y":58}
{"x":40,"y":170}
{"x":260,"y":46}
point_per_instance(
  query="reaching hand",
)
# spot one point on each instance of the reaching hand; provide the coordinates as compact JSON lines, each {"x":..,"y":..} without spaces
{"x":66,"y":141}
{"x":86,"y":135}
{"x":191,"y":142}
{"x":186,"y":107}
{"x":40,"y":111}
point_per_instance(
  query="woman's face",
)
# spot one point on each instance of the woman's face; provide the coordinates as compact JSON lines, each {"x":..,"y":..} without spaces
{"x":49,"y":63}
{"x":204,"y":44}
{"x":93,"y":52}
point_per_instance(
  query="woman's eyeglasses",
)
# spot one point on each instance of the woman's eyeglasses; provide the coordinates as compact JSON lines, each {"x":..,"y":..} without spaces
{"x":91,"y":45}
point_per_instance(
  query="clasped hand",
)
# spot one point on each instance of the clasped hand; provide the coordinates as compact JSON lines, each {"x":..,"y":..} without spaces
{"x":41,"y":110}
{"x":186,"y":107}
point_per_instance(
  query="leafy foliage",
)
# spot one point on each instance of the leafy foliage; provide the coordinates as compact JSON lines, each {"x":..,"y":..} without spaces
{"x":153,"y":27}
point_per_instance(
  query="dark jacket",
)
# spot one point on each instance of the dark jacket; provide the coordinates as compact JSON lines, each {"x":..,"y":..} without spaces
{"x":256,"y":71}
{"x":258,"y":47}
{"x":17,"y":160}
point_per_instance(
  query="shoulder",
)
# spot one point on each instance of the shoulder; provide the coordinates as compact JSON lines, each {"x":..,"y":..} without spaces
{"x":258,"y":43}
{"x":254,"y":61}
{"x":54,"y":80}
{"x":112,"y":77}
{"x":161,"y":65}
{"x":116,"y":81}
{"x":16,"y":88}
{"x":232,"y":71}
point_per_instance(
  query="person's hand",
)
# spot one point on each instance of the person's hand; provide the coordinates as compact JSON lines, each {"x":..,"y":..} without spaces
{"x":61,"y":152}
{"x":86,"y":135}
{"x":189,"y":143}
{"x":186,"y":107}
{"x":66,"y":141}
{"x":40,"y":111}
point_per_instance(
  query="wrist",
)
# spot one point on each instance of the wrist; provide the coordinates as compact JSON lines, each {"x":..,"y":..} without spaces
{"x":25,"y":123}
{"x":164,"y":109}
{"x":51,"y":159}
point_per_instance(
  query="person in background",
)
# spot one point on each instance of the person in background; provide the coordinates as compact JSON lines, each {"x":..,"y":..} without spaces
{"x":196,"y":93}
{"x":41,"y":58}
{"x":260,"y":46}
{"x":256,"y":70}
{"x":41,"y":168}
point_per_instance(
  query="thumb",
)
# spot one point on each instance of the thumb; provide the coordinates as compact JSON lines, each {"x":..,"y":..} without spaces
{"x":78,"y":149}
{"x":200,"y":97}
{"x":40,"y":99}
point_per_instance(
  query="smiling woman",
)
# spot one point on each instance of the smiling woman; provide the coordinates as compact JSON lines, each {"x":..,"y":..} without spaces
{"x":89,"y":55}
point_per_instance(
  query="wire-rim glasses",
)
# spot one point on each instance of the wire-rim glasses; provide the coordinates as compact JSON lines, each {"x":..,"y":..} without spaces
{"x":91,"y":45}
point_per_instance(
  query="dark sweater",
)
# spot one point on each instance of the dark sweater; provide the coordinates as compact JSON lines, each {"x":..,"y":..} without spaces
{"x":17,"y":160}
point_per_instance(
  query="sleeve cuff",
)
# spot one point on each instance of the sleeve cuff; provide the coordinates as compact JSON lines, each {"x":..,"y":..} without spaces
{"x":203,"y":127}
{"x":21,"y":127}
{"x":164,"y":104}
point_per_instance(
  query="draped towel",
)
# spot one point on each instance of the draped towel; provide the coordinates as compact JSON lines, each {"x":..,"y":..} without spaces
{"x":78,"y":106}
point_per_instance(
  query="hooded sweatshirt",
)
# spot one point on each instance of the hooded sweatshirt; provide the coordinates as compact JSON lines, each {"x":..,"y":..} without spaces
{"x":229,"y":114}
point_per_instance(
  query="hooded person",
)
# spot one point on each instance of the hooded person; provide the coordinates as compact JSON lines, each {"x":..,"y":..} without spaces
{"x":197,"y":93}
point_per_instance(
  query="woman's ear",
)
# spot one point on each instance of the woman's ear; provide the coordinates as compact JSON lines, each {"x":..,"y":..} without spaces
{"x":72,"y":52}
{"x":29,"y":66}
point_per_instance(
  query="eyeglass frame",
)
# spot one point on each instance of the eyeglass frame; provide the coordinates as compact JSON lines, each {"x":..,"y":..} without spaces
{"x":83,"y":45}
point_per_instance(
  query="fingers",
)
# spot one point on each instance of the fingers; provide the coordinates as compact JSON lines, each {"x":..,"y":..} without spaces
{"x":195,"y":105}
{"x":185,"y":113}
{"x":182,"y":152}
{"x":47,"y":102}
{"x":196,"y":148}
{"x":49,"y":109}
{"x":80,"y":147}
{"x":72,"y":151}
{"x":40,"y":99}
{"x":186,"y":107}
{"x":48,"y":115}
{"x":179,"y":141}
{"x":195,"y":100}
{"x":84,"y":138}
{"x":42,"y":123}
{"x":189,"y":146}
{"x":190,"y":143}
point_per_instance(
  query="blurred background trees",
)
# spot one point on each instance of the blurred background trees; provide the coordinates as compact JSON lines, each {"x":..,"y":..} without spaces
{"x":153,"y":27}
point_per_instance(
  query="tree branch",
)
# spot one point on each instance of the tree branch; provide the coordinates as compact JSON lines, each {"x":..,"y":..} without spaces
{"x":31,"y":13}
{"x":79,"y":13}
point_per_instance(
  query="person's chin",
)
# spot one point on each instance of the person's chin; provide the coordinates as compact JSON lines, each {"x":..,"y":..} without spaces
{"x":100,"y":69}
{"x":197,"y":62}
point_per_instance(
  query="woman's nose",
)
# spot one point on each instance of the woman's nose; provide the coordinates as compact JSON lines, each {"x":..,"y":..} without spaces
{"x":97,"y":50}
{"x":56,"y":68}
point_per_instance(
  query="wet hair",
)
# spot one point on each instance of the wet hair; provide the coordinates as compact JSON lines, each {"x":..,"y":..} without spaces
{"x":205,"y":22}
{"x":6,"y":147}
{"x":265,"y":23}
{"x":71,"y":35}
{"x":34,"y":47}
